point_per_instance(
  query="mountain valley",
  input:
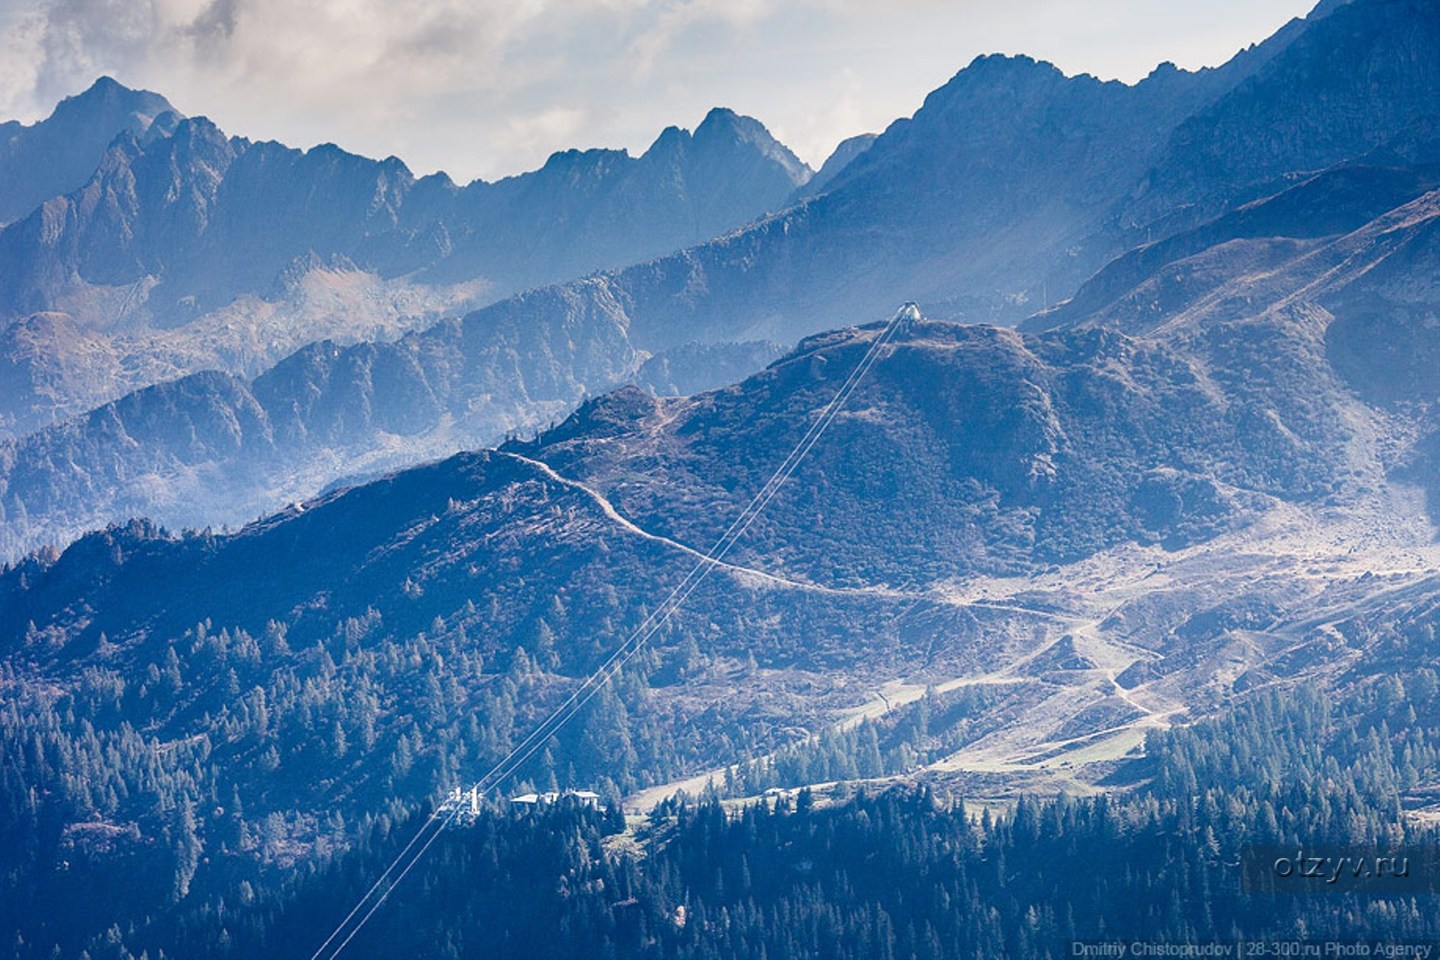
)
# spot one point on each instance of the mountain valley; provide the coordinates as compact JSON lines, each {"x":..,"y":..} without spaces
{"x":1112,"y":561}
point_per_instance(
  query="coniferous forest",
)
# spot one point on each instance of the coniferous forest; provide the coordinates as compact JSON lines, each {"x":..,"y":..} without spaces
{"x":859,"y":872}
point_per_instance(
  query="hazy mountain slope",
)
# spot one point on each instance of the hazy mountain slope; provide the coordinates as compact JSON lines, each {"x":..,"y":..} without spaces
{"x":841,"y":157}
{"x":58,"y":154}
{"x":1016,"y":452}
{"x":212,"y":448}
{"x":196,"y":250}
{"x":690,"y":368}
{"x":994,"y":437}
{"x":1154,"y":282}
{"x":1367,"y":297}
{"x":1020,"y":451}
{"x":1351,"y":276}
{"x":47,"y":360}
{"x":1359,"y":73}
{"x":1369,"y":291}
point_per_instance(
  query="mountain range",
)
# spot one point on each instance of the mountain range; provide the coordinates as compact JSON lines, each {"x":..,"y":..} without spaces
{"x":1006,"y":191}
{"x":1232,"y":380}
{"x":1140,"y":504}
{"x":188,"y":250}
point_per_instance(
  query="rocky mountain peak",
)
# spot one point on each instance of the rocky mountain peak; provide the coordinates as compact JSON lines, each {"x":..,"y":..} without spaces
{"x":580,"y":163}
{"x":107,"y":97}
{"x":58,"y":154}
{"x":1326,"y":7}
{"x":671,"y":142}
{"x":1336,"y":86}
{"x":722,"y":118}
{"x":727,"y":131}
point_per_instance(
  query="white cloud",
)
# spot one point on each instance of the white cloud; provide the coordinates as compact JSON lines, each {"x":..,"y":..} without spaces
{"x":541,"y":131}
{"x":490,"y":87}
{"x":21,"y":52}
{"x":675,"y":21}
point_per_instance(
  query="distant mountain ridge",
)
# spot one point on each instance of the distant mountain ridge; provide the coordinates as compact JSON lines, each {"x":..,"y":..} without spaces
{"x":1359,"y":75}
{"x":1014,"y":183}
{"x":197,"y":218}
{"x":186,"y":245}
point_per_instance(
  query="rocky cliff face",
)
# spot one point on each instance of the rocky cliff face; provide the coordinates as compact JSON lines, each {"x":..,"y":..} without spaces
{"x":58,"y":154}
{"x":1358,"y":76}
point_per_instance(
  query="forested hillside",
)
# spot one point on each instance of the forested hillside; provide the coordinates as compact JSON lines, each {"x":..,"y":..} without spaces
{"x":871,"y":872}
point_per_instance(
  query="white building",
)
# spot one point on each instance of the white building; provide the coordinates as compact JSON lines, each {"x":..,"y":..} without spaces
{"x":583,"y":797}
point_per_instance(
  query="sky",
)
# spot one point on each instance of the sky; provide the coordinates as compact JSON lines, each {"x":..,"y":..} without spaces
{"x":488,"y":88}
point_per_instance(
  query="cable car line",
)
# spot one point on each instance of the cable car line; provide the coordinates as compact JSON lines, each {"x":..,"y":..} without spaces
{"x":380,"y":890}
